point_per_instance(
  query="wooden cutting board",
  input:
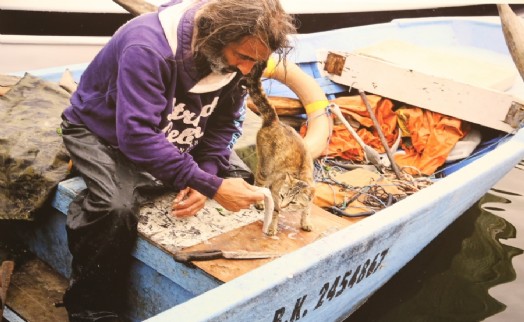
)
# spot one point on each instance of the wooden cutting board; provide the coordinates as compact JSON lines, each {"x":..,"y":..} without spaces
{"x":251,"y":238}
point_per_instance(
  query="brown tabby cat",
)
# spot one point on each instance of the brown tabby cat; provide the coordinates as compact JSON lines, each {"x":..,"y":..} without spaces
{"x":284,"y":163}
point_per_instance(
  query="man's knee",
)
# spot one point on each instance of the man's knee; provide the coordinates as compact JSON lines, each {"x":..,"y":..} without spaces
{"x":115,"y":215}
{"x":124,"y":215}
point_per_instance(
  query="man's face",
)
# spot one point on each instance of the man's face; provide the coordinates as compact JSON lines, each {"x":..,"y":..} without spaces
{"x":240,"y":56}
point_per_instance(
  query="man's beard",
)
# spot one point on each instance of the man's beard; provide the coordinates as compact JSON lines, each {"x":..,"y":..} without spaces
{"x":217,"y":63}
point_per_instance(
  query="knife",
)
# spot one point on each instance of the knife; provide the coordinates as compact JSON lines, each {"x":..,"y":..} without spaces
{"x":204,"y":255}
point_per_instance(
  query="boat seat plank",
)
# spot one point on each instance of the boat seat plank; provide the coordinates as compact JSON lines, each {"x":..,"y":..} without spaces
{"x":161,"y":236}
{"x":157,"y":224}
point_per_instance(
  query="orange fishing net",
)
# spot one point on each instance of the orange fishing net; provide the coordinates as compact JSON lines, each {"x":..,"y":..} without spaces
{"x":428,"y":137}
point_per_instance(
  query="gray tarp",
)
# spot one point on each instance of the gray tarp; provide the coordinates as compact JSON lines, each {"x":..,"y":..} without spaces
{"x":33,"y":159}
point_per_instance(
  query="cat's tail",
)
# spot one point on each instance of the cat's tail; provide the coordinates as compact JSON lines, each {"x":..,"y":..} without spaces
{"x":258,"y":95}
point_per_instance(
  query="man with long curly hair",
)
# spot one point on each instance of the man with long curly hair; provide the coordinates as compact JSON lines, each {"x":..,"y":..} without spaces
{"x":161,"y":106}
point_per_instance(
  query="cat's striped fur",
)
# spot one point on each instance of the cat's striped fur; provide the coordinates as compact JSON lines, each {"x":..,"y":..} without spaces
{"x":284,"y":164}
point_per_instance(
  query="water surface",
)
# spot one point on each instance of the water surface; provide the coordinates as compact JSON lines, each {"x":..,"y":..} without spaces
{"x":473,"y":271}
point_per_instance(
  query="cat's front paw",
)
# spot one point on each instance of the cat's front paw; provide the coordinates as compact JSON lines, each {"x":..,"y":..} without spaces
{"x":273,"y":227}
{"x":259,"y":205}
{"x":306,"y":225}
{"x":271,"y":231}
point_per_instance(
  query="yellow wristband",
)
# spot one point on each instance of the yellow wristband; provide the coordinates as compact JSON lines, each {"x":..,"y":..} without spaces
{"x":316,"y":106}
{"x":270,"y":68}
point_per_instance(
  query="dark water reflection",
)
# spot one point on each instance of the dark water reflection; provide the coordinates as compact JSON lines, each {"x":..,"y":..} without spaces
{"x":450,"y":280}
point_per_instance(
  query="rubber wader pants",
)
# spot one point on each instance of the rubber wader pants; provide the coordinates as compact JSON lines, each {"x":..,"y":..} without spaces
{"x":102,"y":221}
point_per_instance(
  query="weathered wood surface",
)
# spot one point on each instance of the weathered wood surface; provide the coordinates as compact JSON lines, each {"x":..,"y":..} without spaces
{"x":468,"y":102}
{"x":6,"y":269}
{"x":475,"y":67}
{"x":35,"y":288}
{"x":251,"y":238}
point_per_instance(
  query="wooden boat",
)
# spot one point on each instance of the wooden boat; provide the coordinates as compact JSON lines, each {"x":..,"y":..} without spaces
{"x":324,"y":275}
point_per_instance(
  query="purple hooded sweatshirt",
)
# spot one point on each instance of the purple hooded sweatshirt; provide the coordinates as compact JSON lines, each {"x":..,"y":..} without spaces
{"x":138,"y":96}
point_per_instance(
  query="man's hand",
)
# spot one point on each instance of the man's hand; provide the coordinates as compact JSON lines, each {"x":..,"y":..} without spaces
{"x":235,"y":194}
{"x":187,"y":203}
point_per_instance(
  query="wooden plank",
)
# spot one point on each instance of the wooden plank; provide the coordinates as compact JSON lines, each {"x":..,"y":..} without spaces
{"x":284,"y":106}
{"x":251,"y":238}
{"x":35,"y":288}
{"x":476,"y":66}
{"x":6,"y":269}
{"x":474,"y":104}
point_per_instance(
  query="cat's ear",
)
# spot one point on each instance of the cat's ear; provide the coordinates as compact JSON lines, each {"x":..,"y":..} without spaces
{"x":300,"y":184}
